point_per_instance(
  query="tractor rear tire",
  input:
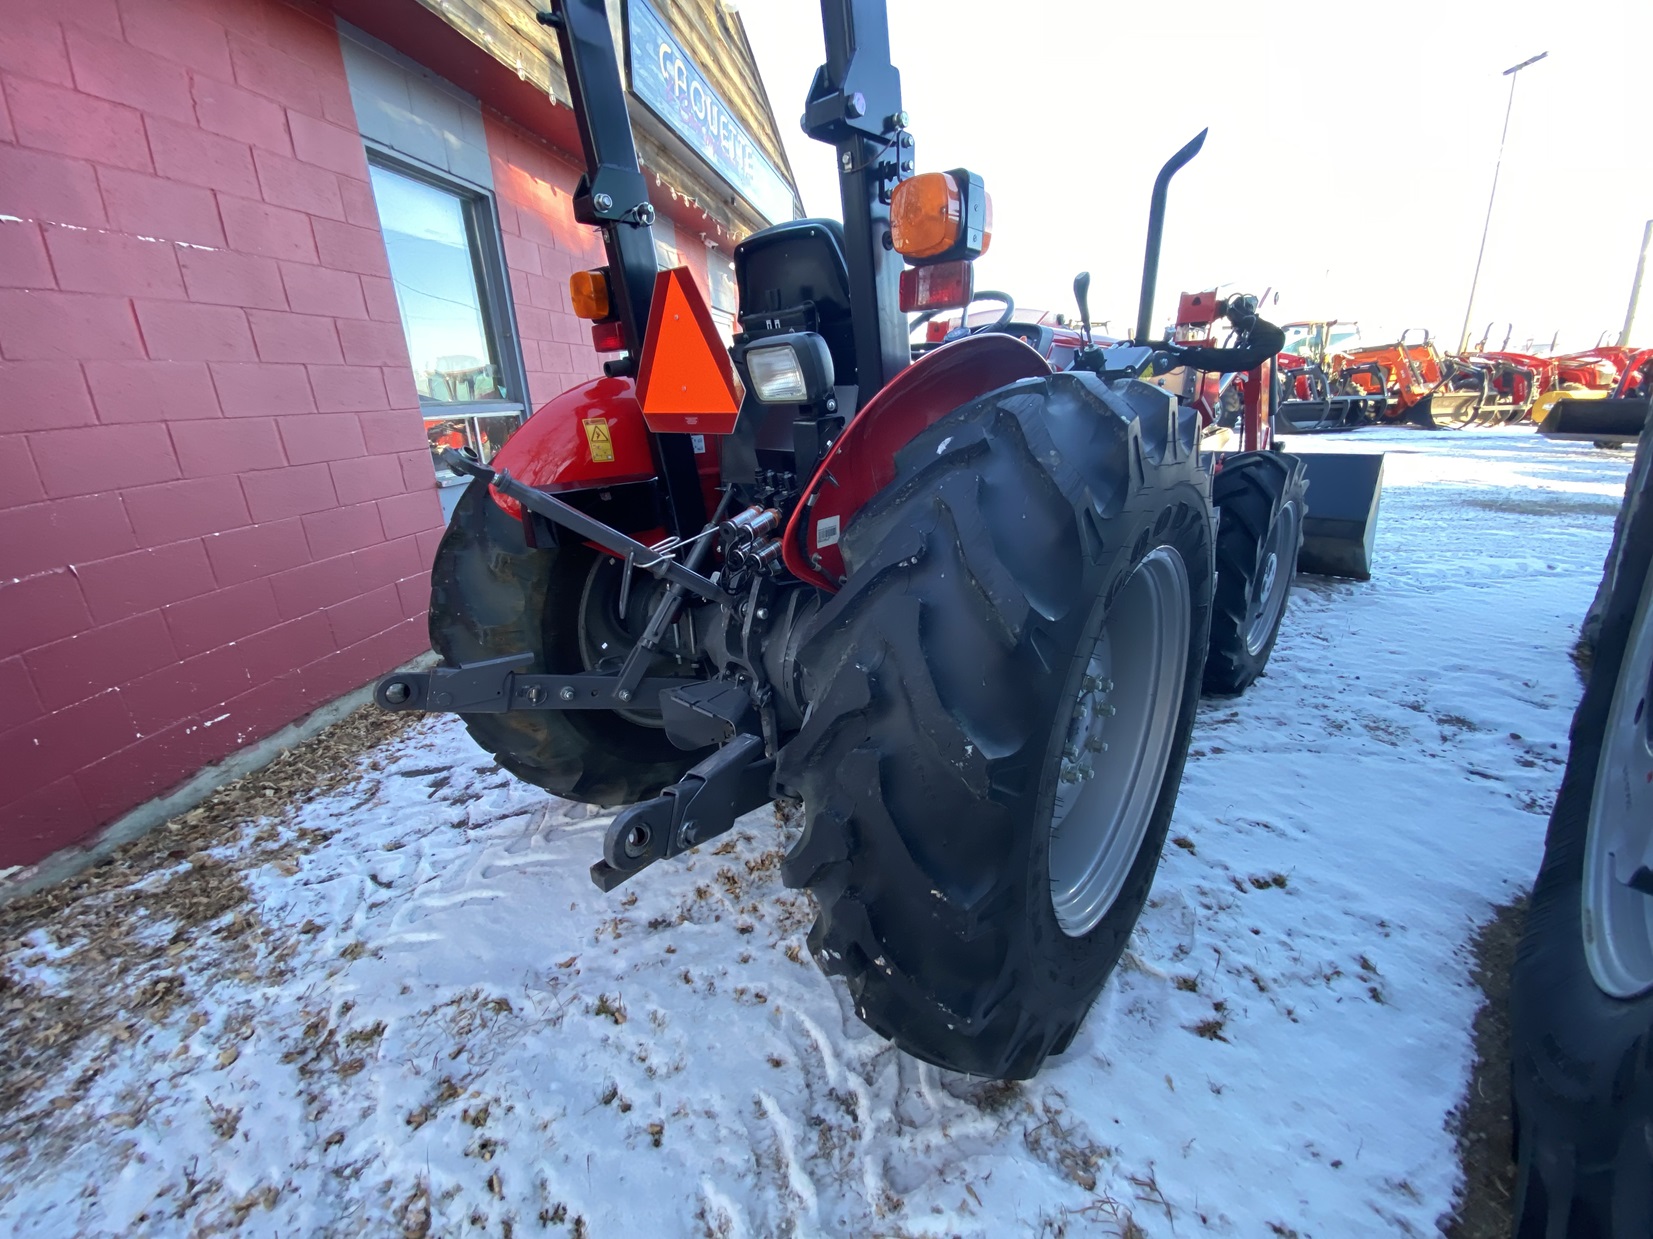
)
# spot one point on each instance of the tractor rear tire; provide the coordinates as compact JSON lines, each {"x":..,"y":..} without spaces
{"x":493,"y":595}
{"x":1581,"y":996}
{"x":977,"y":852}
{"x":1260,"y":500}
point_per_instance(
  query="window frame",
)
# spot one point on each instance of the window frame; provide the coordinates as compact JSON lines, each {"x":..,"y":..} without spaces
{"x":487,"y":249}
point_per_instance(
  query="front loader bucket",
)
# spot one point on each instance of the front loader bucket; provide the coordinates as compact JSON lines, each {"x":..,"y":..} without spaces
{"x":1443,"y":410}
{"x":1595,"y":421}
{"x":1314,"y":417}
{"x":1345,"y":489}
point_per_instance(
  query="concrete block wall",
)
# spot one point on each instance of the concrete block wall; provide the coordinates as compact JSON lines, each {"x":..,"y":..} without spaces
{"x":217,"y":510}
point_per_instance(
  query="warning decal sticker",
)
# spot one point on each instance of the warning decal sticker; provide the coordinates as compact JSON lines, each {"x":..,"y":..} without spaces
{"x":597,"y":438}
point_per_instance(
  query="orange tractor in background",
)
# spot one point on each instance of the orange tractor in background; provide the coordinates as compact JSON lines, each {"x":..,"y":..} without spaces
{"x":1416,"y":381}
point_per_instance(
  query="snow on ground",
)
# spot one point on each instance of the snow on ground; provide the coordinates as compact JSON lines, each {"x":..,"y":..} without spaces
{"x":422,"y":1018}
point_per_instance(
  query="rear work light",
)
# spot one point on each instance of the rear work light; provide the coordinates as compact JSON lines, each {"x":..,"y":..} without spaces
{"x":940,"y":217}
{"x":943,"y":287}
{"x":791,"y":369}
{"x":588,"y":290}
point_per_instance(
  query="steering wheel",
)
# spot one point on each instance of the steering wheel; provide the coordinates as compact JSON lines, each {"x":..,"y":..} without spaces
{"x":997,"y":324}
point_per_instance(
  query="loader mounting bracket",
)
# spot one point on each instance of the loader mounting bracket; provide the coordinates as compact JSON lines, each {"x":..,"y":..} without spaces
{"x":501,"y":684}
{"x":701,"y":805}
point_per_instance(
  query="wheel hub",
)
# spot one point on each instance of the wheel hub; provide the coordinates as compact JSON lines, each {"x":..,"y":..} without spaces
{"x":1120,"y":730}
{"x":1273,"y":585}
{"x":1617,"y":900}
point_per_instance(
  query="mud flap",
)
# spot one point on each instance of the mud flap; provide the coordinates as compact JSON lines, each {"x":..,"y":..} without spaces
{"x":1345,"y":489}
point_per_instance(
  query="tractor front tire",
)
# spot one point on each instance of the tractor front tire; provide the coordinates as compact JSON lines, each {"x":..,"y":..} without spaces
{"x":1001,"y":699}
{"x":1581,"y":994}
{"x":1260,"y":500}
{"x":493,"y":595}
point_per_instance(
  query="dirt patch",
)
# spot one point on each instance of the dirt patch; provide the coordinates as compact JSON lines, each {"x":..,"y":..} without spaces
{"x":1481,"y":1123}
{"x":108,"y":955}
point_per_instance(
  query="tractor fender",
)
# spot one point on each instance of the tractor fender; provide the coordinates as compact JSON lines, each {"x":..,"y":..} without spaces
{"x":589,"y":435}
{"x":862,"y":462}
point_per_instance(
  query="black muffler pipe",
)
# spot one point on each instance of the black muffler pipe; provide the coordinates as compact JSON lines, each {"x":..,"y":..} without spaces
{"x":1156,"y":229}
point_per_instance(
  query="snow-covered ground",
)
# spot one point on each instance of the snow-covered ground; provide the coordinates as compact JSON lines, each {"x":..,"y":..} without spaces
{"x":411,"y":1012}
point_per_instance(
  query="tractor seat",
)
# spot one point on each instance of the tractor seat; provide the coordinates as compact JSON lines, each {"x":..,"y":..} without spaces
{"x":794,"y":277}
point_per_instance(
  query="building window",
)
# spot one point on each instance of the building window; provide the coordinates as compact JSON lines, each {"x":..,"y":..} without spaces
{"x":448,"y":276}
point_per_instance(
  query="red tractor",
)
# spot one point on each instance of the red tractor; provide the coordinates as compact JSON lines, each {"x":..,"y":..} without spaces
{"x":958,"y":606}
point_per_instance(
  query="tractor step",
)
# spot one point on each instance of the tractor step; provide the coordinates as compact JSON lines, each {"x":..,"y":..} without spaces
{"x":702,"y":805}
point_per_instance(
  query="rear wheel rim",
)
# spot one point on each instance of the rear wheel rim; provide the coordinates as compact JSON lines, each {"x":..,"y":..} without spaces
{"x":1618,"y":916}
{"x":1273,"y":582}
{"x":1121,"y":726}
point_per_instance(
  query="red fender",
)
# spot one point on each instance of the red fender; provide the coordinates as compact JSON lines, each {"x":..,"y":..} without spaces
{"x":862,"y":462}
{"x":561,"y":447}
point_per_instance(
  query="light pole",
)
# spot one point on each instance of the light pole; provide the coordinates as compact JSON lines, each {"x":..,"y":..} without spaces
{"x":1511,"y":73}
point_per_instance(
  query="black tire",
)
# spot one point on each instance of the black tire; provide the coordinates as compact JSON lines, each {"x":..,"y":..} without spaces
{"x":1260,"y":501}
{"x":941,"y":683}
{"x":1582,"y":1060}
{"x":493,"y":595}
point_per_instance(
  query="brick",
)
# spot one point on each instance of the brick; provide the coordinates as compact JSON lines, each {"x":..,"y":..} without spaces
{"x":142,"y":770}
{"x":411,"y":513}
{"x":346,"y":247}
{"x":37,"y":325}
{"x":365,"y":661}
{"x":114,"y":70}
{"x":313,"y":586}
{"x":99,"y":458}
{"x":414,"y":593}
{"x":193,"y":686}
{"x":399,"y":386}
{"x":327,"y":146}
{"x":31,"y":45}
{"x":276,"y":494}
{"x":259,"y":390}
{"x":286,"y":647}
{"x":348,"y":389}
{"x":98,"y":16}
{"x":189,"y":154}
{"x":225,"y":615}
{"x":300,"y":186}
{"x":189,"y":36}
{"x":18,"y":702}
{"x":58,"y":744}
{"x":113,"y":262}
{"x":7,"y":133}
{"x":322,"y":436}
{"x":183,"y":331}
{"x":373,"y":344}
{"x":380,"y":293}
{"x":256,"y":551}
{"x":143,"y":580}
{"x":42,"y":186}
{"x":67,"y":122}
{"x":275,"y":75}
{"x":99,"y":659}
{"x":151,"y":391}
{"x":153,"y":207}
{"x":190,"y":508}
{"x":365,"y":616}
{"x":399,"y":431}
{"x":295,"y":337}
{"x":523,"y":256}
{"x":23,"y":484}
{"x":371,"y":477}
{"x":427,"y":541}
{"x":48,"y":395}
{"x":359,"y":207}
{"x":342,"y":530}
{"x":39,"y":609}
{"x":236,"y":113}
{"x":418,"y":470}
{"x":389,"y":562}
{"x":259,"y":228}
{"x":318,"y":290}
{"x":46,"y":536}
{"x":43,"y":821}
{"x":230,"y":445}
{"x":224,"y":277}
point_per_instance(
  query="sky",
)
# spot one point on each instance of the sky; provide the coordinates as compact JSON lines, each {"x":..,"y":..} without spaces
{"x":1347,"y":169}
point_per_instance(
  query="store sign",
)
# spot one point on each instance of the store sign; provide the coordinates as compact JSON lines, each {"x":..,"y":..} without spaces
{"x":663,"y":77}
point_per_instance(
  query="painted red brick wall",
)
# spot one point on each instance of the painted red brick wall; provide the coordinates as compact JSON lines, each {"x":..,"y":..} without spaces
{"x":217,"y":509}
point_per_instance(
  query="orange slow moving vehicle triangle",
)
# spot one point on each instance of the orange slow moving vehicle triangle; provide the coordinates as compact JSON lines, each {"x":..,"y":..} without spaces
{"x":686,"y":382}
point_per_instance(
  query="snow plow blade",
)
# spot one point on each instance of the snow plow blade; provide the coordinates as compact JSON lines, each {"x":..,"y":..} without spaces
{"x":1595,"y":421}
{"x":1345,"y":489}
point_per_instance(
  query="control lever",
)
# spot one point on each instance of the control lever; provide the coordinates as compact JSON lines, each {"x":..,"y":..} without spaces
{"x":1082,"y":294}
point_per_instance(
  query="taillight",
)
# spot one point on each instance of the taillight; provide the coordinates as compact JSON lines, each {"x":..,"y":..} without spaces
{"x":940,"y":287}
{"x":608,"y":337}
